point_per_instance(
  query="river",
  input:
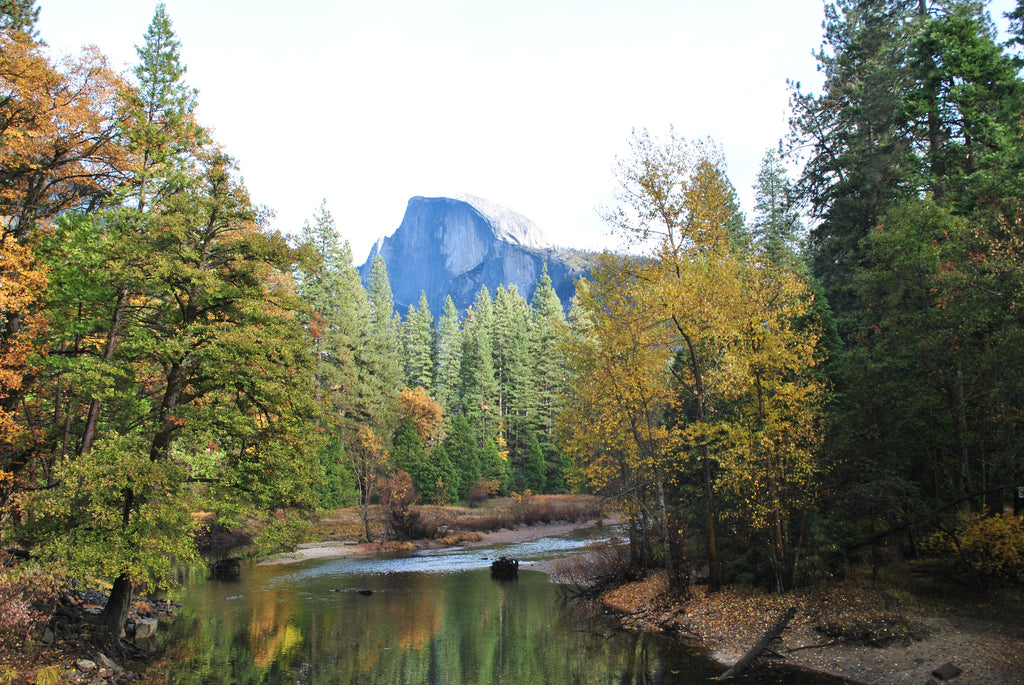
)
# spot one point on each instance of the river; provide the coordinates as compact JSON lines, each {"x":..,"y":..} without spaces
{"x":433,"y":617}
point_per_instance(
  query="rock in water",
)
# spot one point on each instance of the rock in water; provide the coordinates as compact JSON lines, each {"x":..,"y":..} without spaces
{"x":452,"y":246}
{"x":504,"y":568}
{"x":225,"y":569}
{"x":145,"y":628}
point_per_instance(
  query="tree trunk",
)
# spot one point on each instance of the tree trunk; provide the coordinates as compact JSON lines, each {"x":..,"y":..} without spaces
{"x":766,"y":639}
{"x":89,"y":434}
{"x":161,"y":446}
{"x":115,"y":614}
{"x":714,"y":574}
{"x":710,"y":518}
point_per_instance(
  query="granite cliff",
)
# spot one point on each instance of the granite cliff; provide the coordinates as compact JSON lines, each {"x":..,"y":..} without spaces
{"x":452,"y":246}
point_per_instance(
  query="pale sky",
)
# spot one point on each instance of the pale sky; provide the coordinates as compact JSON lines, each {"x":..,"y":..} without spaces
{"x":524,"y":103}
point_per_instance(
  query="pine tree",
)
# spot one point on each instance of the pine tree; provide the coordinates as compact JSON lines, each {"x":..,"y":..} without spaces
{"x":20,"y":15}
{"x":513,"y":370}
{"x":448,"y":358}
{"x":335,"y":321}
{"x":464,"y":454}
{"x":418,"y":346}
{"x":160,"y":125}
{"x":478,"y":387}
{"x":549,"y":372}
{"x":914,"y":101}
{"x":382,"y":351}
{"x":777,"y":225}
{"x":160,"y":131}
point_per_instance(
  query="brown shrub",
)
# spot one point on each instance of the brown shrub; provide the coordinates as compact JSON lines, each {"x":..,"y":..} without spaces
{"x":397,"y":497}
{"x":23,"y":590}
{"x":591,"y":573}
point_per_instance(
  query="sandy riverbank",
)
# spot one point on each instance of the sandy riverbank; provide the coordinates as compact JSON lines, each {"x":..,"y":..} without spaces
{"x":987,"y":646}
{"x":331,"y":549}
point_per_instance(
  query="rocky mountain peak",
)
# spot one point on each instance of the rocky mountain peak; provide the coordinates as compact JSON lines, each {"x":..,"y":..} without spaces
{"x":451,"y":246}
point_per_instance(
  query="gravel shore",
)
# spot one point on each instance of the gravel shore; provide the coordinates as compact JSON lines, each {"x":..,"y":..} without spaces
{"x":989,"y":650}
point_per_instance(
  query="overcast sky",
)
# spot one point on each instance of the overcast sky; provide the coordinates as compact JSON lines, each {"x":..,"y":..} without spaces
{"x":524,"y":103}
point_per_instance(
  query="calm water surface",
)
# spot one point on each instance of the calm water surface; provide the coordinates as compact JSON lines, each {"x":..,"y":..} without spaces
{"x":434,"y":617}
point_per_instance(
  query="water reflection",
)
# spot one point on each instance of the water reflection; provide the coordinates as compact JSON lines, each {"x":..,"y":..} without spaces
{"x":289,"y":624}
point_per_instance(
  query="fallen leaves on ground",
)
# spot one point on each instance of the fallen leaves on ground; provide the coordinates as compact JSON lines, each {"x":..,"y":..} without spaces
{"x":854,"y":629}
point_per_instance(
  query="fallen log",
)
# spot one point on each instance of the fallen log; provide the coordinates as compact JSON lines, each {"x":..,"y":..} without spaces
{"x":762,"y":644}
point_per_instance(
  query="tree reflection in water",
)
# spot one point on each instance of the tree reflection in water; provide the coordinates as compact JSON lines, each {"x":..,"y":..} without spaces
{"x":287,"y":624}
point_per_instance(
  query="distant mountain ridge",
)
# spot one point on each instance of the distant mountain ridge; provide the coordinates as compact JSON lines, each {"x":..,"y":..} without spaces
{"x":453,"y":245}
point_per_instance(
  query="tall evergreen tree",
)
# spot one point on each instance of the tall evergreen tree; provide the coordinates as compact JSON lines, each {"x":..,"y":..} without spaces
{"x":19,"y":15}
{"x":550,"y":375}
{"x":418,"y":346}
{"x":777,"y":225}
{"x":513,"y":371}
{"x":917,"y":132}
{"x":448,"y":358}
{"x":917,"y":97}
{"x":382,"y":353}
{"x":479,"y":389}
{"x":164,"y":139}
{"x":461,"y":449}
{"x":160,"y":125}
{"x":335,"y":321}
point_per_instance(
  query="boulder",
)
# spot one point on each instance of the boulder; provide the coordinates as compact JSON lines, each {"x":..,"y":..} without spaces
{"x":106,"y":662}
{"x":504,"y":568}
{"x":145,"y":628}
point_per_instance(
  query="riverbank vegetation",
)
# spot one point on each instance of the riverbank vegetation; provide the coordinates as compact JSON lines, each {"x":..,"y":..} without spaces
{"x":768,"y":400}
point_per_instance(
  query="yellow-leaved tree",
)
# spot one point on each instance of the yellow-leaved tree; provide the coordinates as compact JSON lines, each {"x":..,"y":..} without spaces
{"x":697,"y":358}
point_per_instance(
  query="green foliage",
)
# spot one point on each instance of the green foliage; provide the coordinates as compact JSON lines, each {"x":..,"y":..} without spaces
{"x":460,"y":448}
{"x":337,"y":488}
{"x":437,"y":478}
{"x":408,"y":453}
{"x":19,"y":15}
{"x":282,"y":533}
{"x":536,"y":467}
{"x":448,"y":356}
{"x":114,"y":511}
{"x":418,"y":346}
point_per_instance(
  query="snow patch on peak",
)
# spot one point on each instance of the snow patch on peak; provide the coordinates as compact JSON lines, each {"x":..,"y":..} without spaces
{"x":508,"y":225}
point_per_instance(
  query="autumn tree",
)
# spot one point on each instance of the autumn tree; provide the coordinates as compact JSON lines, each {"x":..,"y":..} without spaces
{"x":367,"y":456}
{"x":59,"y":129}
{"x":172,"y":307}
{"x":613,"y":421}
{"x":727,"y":407}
